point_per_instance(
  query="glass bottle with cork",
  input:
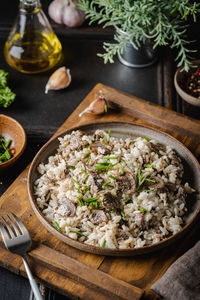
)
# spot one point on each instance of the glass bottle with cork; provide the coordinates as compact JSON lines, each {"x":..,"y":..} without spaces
{"x":32,"y":46}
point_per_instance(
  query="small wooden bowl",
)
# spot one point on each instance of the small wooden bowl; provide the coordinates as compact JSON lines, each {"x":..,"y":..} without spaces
{"x":11,"y":129}
{"x":178,"y":77}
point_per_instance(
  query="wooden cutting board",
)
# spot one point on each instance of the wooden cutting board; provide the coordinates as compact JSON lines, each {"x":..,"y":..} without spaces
{"x":81,"y":275}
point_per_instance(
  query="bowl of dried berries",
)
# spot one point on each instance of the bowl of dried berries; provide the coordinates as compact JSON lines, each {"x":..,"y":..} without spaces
{"x":12,"y":141}
{"x":187,"y":84}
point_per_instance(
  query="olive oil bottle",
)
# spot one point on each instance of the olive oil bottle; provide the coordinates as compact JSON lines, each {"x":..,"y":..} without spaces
{"x":32,"y":46}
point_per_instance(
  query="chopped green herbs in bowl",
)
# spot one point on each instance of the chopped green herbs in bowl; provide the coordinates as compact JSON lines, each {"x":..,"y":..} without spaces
{"x":12,"y":141}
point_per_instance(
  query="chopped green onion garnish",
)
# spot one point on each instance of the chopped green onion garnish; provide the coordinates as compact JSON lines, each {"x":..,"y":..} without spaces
{"x":86,"y":155}
{"x":84,"y":172}
{"x":75,"y":181}
{"x":127,"y":199}
{"x":121,"y":170}
{"x":86,"y":189}
{"x":106,"y":108}
{"x":91,"y":199}
{"x":77,"y":232}
{"x":146,"y":138}
{"x":87,"y":146}
{"x":124,"y":162}
{"x":104,"y":243}
{"x":109,"y":133}
{"x":88,"y":161}
{"x":57,"y":226}
{"x":71,"y":167}
{"x":112,"y":211}
{"x":110,"y":157}
{"x":150,"y":180}
{"x":80,"y":201}
{"x":144,"y":209}
{"x":105,"y":141}
{"x":108,"y":185}
{"x":149,"y":166}
{"x":118,"y":192}
{"x":114,"y":178}
{"x":84,"y":180}
{"x":169,"y":159}
{"x":123,"y":214}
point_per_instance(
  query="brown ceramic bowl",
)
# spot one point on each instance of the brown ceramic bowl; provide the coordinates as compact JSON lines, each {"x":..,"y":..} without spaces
{"x":178,"y":77}
{"x":119,"y":129}
{"x":11,"y":129}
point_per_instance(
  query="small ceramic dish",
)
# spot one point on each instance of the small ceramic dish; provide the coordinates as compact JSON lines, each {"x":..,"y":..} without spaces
{"x":178,"y":78}
{"x":11,"y":129}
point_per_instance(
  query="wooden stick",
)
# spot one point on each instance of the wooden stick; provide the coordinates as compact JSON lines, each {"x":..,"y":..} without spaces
{"x":83,"y":273}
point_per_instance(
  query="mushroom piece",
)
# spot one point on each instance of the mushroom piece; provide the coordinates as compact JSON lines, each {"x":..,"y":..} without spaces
{"x":127,"y":183}
{"x":157,"y":147}
{"x":66,"y":208}
{"x":103,"y":146}
{"x":111,"y":202}
{"x":157,"y":183}
{"x":98,"y":180}
{"x":98,"y":216}
{"x":175,"y":160}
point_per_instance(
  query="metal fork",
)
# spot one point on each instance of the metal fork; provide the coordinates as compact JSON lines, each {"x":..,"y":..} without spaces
{"x":19,"y":243}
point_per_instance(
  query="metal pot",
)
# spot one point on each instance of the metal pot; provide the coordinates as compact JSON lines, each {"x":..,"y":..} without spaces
{"x":138,"y":58}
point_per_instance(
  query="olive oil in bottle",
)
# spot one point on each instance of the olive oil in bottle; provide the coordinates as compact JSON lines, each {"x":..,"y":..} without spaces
{"x":32,"y":46}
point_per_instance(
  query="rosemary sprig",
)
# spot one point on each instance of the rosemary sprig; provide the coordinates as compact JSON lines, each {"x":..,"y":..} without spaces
{"x":164,"y":22}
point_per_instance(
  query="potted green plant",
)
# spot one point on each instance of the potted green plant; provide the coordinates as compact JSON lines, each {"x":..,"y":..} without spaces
{"x":142,"y":23}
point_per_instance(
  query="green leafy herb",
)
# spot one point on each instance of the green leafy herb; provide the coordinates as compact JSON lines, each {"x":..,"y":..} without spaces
{"x":104,"y":243}
{"x":121,"y":170}
{"x":88,"y":200}
{"x":77,"y":232}
{"x":108,"y":185}
{"x":123,"y":214}
{"x":146,"y":138}
{"x":164,"y":22}
{"x":6,"y":95}
{"x":57,"y":226}
{"x":110,"y":157}
{"x":106,"y":108}
{"x":112,"y":177}
{"x":109,"y":133}
{"x":86,"y":155}
{"x":71,"y":167}
{"x":75,"y":181}
{"x":80,"y":201}
{"x":144,"y":209}
{"x":84,"y":180}
{"x":141,"y":178}
{"x":86,"y":189}
{"x":127,"y":199}
{"x":5,"y":154}
{"x":149,"y":166}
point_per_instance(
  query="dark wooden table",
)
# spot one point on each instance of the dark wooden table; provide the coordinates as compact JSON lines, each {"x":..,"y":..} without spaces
{"x":42,"y":114}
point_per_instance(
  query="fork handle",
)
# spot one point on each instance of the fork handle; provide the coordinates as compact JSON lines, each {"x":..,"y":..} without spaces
{"x":32,"y":281}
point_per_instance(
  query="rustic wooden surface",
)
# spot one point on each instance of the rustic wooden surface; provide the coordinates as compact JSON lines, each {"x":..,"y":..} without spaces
{"x":50,"y":258}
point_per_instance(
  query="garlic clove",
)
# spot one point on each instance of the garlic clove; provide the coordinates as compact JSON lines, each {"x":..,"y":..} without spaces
{"x":97,"y":107}
{"x":73,"y":17}
{"x":60,"y":79}
{"x":55,"y":10}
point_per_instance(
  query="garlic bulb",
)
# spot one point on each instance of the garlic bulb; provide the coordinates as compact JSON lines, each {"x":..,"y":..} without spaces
{"x":60,"y":79}
{"x":65,"y":12}
{"x":96,"y":107}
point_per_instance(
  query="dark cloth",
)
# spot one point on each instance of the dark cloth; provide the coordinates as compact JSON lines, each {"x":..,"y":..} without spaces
{"x":182,"y":279}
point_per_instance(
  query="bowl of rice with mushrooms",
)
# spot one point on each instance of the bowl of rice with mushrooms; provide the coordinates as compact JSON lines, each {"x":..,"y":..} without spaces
{"x":114,"y":187}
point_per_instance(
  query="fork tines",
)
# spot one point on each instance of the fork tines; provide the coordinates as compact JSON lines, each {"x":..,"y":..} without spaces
{"x":12,"y":231}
